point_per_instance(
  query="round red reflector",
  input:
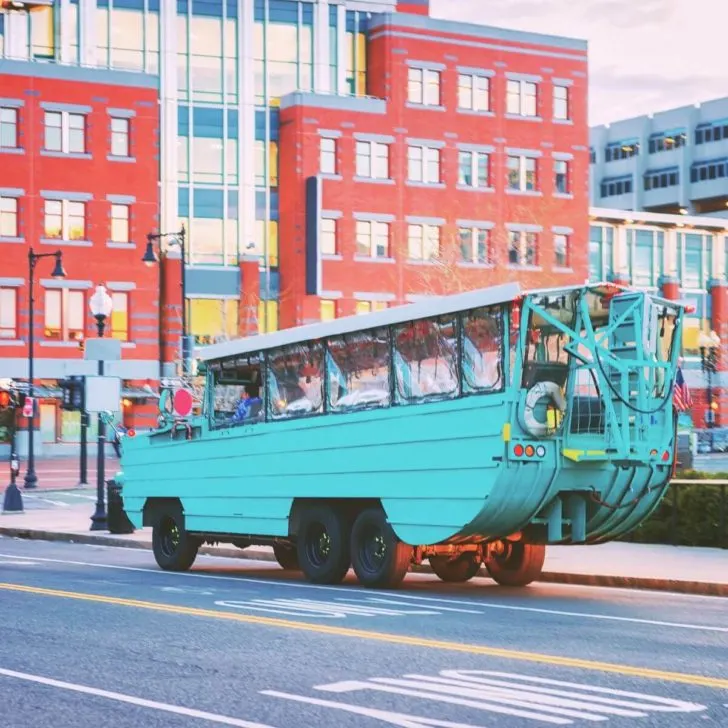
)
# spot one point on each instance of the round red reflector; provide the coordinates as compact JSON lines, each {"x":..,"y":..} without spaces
{"x":530,"y":450}
{"x":182,"y":403}
{"x":666,"y":456}
{"x":131,"y":432}
{"x":518,"y":450}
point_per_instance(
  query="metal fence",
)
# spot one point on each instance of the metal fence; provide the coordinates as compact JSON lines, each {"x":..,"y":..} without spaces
{"x":693,"y":513}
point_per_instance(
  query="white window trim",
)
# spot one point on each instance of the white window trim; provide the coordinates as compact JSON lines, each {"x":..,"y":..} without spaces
{"x":335,"y":238}
{"x":474,"y":158}
{"x":16,"y":321}
{"x":64,"y":219}
{"x":522,"y":98}
{"x":474,"y":232}
{"x":523,"y":248}
{"x":327,"y":154}
{"x":111,"y":222}
{"x":567,"y":250}
{"x":373,"y":237}
{"x":17,"y":214}
{"x":425,"y":231}
{"x":567,"y":100}
{"x":14,"y":124}
{"x":65,"y":300}
{"x":371,"y":154}
{"x":113,"y":133}
{"x":472,"y":77}
{"x":424,"y":164}
{"x":522,"y":173}
{"x":423,"y":72}
{"x":65,"y":132}
{"x":567,"y":190}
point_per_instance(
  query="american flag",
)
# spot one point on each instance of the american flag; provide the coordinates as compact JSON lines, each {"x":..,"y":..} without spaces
{"x":681,"y":394}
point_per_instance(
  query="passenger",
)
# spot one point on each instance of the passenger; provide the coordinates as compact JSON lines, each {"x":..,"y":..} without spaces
{"x":249,"y":404}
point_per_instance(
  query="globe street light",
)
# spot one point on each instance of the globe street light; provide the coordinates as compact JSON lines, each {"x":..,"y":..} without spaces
{"x":101,"y":306}
{"x":31,"y":479}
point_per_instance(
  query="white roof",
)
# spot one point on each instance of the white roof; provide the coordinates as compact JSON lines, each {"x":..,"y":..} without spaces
{"x":435,"y":306}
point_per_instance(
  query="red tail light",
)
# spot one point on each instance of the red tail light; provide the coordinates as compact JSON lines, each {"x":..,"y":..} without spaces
{"x":518,"y":450}
{"x":131,"y":433}
{"x":665,"y":456}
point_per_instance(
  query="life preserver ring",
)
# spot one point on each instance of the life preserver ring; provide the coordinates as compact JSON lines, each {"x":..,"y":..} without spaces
{"x":540,"y":391}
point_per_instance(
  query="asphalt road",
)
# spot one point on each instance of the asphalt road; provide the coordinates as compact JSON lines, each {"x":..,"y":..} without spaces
{"x":97,"y":636}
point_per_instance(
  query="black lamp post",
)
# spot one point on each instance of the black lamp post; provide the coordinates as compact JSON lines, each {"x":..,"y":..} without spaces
{"x":101,"y":306}
{"x":150,"y":258}
{"x":31,"y":479}
{"x":709,"y":345}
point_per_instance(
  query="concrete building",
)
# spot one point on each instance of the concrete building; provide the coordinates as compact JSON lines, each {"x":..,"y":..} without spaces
{"x":672,"y":161}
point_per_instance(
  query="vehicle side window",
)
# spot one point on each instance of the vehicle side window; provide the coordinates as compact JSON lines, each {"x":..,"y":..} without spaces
{"x":425,"y":359}
{"x":237,"y":391}
{"x":296,"y":380}
{"x":358,"y":371}
{"x":482,"y":363}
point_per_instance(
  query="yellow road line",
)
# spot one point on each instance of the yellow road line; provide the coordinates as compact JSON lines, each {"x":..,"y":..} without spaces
{"x":395,"y":639}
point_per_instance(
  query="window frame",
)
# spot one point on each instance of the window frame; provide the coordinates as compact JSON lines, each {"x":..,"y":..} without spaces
{"x":429,"y":79}
{"x":474,"y":244}
{"x":65,"y":302}
{"x":13,"y":214}
{"x":523,"y":248}
{"x":327,"y":235}
{"x":65,"y":219}
{"x":13,"y":295}
{"x":327,"y":155}
{"x":523,"y":173}
{"x":475,"y":93}
{"x":374,"y":235}
{"x":115,"y":296}
{"x":124,"y":135}
{"x":563,"y":105}
{"x":13,"y":125}
{"x":475,"y":158}
{"x":425,"y":161}
{"x":371,"y":156}
{"x":126,"y":220}
{"x":565,"y":175}
{"x":566,"y":248}
{"x":430,"y":237}
{"x":66,"y":135}
{"x":523,"y":105}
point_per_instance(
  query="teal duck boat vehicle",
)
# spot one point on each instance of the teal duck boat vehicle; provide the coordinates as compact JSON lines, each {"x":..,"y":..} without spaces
{"x":468,"y":430}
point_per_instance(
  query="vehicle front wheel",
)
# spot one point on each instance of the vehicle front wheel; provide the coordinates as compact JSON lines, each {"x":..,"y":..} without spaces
{"x":457,"y":569}
{"x":174,"y":549}
{"x":286,"y":555}
{"x":379,"y":558}
{"x":517,"y":564}
{"x":323,"y":545}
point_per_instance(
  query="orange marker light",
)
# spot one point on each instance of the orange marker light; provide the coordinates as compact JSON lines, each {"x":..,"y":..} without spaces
{"x":530,"y":450}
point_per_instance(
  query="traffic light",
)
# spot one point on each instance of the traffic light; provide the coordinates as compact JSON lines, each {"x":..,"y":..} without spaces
{"x":7,"y":400}
{"x":72,"y":394}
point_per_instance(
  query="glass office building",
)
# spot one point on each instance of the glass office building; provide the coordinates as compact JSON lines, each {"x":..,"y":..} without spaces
{"x":223,"y":66}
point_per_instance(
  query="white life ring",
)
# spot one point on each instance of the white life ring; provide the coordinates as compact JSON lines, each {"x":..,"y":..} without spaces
{"x":542,"y":390}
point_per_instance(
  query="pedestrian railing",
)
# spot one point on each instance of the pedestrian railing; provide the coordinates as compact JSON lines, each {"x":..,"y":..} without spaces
{"x":693,"y":513}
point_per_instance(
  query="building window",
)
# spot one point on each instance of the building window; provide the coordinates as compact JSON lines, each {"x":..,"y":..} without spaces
{"x":695,"y":260}
{"x":119,"y":137}
{"x":706,"y":133}
{"x":365,"y":307}
{"x":703,"y":171}
{"x":372,"y":160}
{"x":473,"y":92}
{"x":423,"y":242}
{"x":561,"y":177}
{"x":592,"y":155}
{"x":120,"y":223}
{"x":327,"y":309}
{"x":64,"y":314}
{"x":120,"y":316}
{"x":664,"y":142}
{"x":561,"y":103}
{"x":473,"y":169}
{"x":474,"y":246}
{"x":8,"y":128}
{"x":42,"y":32}
{"x":423,"y":86}
{"x":8,"y":217}
{"x":522,"y":174}
{"x":615,"y":186}
{"x":328,"y":236}
{"x":561,"y":251}
{"x":65,"y":132}
{"x":521,"y":98}
{"x":8,"y":313}
{"x":662,"y":178}
{"x":522,"y":248}
{"x":328,"y":155}
{"x":213,"y":319}
{"x":423,"y":164}
{"x":267,"y":317}
{"x":641,"y":246}
{"x":372,"y":239}
{"x":621,"y":150}
{"x":64,"y":219}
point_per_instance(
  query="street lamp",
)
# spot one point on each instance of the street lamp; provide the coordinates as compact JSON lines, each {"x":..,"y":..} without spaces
{"x":31,"y":479}
{"x":150,"y":258}
{"x":709,"y":346}
{"x":101,"y":306}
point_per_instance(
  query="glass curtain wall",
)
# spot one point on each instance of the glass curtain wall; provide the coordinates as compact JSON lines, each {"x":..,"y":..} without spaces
{"x":127,"y":34}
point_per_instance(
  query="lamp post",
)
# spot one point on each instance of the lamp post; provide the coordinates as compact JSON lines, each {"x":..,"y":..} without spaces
{"x":101,"y":306}
{"x":31,"y":479}
{"x":150,"y":258}
{"x":709,"y":345}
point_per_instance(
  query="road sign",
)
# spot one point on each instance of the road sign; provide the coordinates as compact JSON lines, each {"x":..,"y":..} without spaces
{"x":28,"y":406}
{"x":103,"y":394}
{"x":102,"y":350}
{"x":182,"y":403}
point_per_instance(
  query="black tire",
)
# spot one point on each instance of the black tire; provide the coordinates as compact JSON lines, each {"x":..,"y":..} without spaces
{"x":379,"y":558}
{"x":323,"y":545}
{"x":174,"y":548}
{"x":520,"y":564}
{"x":287,"y":556}
{"x":462,"y":567}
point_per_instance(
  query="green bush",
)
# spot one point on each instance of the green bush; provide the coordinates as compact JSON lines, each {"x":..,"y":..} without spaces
{"x":697,"y":518}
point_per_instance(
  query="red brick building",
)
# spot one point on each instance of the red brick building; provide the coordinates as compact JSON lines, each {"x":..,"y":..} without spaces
{"x":465,"y":164}
{"x":79,"y":174}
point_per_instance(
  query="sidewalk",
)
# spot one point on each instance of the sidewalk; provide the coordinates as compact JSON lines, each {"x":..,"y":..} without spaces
{"x":62,"y":473}
{"x":690,"y":570}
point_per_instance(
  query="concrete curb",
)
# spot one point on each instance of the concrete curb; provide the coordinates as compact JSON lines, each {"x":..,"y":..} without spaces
{"x":257,"y":553}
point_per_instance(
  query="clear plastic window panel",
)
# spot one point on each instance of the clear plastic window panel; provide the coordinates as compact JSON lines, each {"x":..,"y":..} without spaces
{"x":483,"y":348}
{"x":296,"y":380}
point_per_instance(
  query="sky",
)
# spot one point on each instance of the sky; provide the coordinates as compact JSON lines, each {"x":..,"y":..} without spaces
{"x":644,"y":55}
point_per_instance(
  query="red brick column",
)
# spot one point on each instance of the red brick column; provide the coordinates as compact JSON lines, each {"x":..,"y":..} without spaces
{"x":719,"y":324}
{"x":249,"y":296}
{"x":670,"y":288}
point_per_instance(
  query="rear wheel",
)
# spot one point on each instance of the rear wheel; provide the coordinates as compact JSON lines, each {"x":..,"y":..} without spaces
{"x":379,"y":558}
{"x":517,"y":564}
{"x":459,"y":568}
{"x":174,"y":548}
{"x":323,"y":545}
{"x":286,"y":555}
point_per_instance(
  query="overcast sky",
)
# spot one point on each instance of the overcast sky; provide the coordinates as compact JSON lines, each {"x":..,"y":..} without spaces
{"x":644,"y":55}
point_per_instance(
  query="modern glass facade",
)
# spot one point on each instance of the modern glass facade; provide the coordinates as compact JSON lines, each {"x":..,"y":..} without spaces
{"x":223,"y":66}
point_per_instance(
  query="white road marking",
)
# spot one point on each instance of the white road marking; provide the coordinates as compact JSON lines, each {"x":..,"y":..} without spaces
{"x":387,"y":716}
{"x":19,"y":563}
{"x":432,"y":602}
{"x":45,"y":500}
{"x":533,"y":698}
{"x":141,"y":702}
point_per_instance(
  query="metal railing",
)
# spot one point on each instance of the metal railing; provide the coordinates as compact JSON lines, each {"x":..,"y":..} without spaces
{"x":693,"y":513}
